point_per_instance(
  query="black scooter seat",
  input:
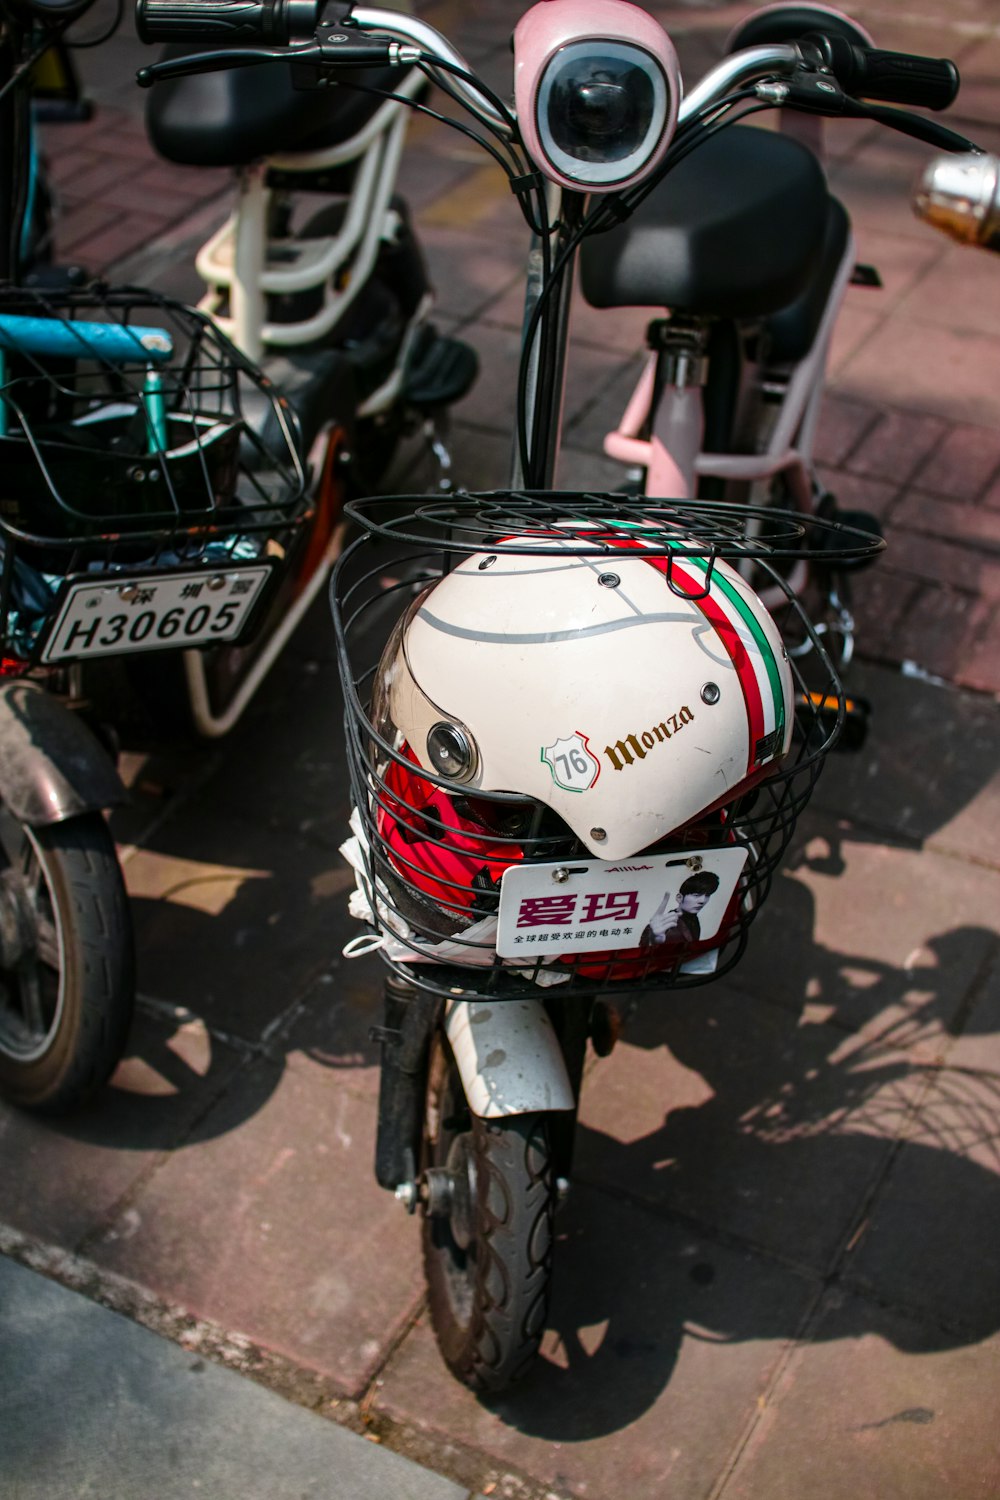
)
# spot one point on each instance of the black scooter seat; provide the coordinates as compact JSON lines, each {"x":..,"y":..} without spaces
{"x":736,"y":230}
{"x":230,"y":119}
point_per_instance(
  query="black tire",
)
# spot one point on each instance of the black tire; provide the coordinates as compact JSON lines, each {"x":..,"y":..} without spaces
{"x":489,"y":1263}
{"x":67,"y":991}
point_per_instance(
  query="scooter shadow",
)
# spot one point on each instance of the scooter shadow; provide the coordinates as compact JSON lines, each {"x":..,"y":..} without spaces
{"x":804,"y":1165}
{"x":228,"y":1033}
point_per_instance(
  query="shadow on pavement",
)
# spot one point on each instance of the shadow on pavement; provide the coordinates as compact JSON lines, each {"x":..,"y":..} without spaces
{"x":821,"y":1166}
{"x":820,"y":1140}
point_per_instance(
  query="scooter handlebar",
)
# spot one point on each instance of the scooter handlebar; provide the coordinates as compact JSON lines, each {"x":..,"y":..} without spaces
{"x":892,"y":77}
{"x":241,"y":22}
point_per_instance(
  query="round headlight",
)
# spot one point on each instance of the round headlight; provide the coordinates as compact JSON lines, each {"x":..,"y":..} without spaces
{"x":602,"y":108}
{"x":452,"y":751}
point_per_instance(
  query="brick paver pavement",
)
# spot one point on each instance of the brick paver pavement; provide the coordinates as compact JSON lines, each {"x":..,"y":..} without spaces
{"x":775,"y":1274}
{"x":911,"y":427}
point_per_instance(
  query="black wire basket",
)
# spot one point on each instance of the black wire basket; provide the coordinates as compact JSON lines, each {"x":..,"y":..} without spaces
{"x":134,"y":439}
{"x":433,"y":852}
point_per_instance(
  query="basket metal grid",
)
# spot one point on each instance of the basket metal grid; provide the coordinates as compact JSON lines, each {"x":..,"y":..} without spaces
{"x":160,"y":447}
{"x":406,"y":544}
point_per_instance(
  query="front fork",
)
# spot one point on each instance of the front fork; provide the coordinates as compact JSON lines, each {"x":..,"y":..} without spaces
{"x":513,"y":1057}
{"x":410,"y":1016}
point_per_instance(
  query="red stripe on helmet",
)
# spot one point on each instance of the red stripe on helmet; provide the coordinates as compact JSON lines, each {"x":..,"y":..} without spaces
{"x":730,"y":636}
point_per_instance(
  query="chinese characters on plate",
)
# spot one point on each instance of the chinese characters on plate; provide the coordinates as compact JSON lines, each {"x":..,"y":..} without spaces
{"x":595,"y":905}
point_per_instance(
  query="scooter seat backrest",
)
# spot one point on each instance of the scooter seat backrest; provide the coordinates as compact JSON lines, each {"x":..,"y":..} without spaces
{"x":230,"y":119}
{"x":736,"y":230}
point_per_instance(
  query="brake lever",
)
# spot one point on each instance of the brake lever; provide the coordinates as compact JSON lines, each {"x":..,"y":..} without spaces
{"x":920,"y":128}
{"x":820,"y":93}
{"x":331,"y":49}
{"x":216,"y":62}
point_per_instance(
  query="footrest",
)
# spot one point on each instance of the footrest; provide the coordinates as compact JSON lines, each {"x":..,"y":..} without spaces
{"x":440,"y":370}
{"x":823,"y":711}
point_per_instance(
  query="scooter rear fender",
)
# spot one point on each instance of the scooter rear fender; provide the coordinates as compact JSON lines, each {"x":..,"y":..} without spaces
{"x":52,"y":767}
{"x":508,"y":1057}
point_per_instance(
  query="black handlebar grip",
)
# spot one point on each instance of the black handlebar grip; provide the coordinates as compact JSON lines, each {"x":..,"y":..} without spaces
{"x":893,"y":77}
{"x":241,"y":22}
{"x":899,"y":78}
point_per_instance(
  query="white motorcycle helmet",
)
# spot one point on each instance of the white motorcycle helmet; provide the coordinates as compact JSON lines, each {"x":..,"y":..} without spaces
{"x":627,"y":694}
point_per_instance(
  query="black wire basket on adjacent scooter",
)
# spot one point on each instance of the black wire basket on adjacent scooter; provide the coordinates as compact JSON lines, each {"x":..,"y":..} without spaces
{"x":479,"y":873}
{"x":152,"y":484}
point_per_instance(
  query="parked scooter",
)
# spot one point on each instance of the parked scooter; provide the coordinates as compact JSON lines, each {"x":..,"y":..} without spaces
{"x":153,"y":489}
{"x":338,"y":311}
{"x":758,"y":341}
{"x":579,"y":752}
{"x":66,"y":967}
{"x":334,"y":305}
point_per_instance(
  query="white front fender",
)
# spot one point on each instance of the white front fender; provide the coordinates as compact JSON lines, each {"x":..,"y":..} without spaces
{"x":508,"y":1056}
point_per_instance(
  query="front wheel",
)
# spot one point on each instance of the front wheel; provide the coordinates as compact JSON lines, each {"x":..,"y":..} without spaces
{"x":488,"y":1231}
{"x":66,"y":961}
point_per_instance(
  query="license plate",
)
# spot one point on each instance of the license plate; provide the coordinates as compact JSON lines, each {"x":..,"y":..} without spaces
{"x":593,"y":905}
{"x":113,"y":616}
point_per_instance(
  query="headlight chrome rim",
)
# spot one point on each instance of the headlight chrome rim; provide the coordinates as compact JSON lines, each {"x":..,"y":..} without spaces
{"x":609,"y":174}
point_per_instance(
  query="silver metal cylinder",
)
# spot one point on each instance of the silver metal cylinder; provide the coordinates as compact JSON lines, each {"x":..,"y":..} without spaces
{"x":960,"y":195}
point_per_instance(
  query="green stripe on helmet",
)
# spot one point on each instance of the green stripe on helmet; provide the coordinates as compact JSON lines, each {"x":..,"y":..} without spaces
{"x":763,"y":644}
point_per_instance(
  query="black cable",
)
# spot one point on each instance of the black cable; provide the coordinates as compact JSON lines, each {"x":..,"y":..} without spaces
{"x":430,"y":65}
{"x":694,"y":133}
{"x":51,"y":37}
{"x":551,"y":280}
{"x":719,"y":120}
{"x":516,"y":164}
{"x":433,"y":114}
{"x":552,"y":352}
{"x":480,"y":88}
{"x":538,"y":326}
{"x":514,"y":169}
{"x":26,"y":65}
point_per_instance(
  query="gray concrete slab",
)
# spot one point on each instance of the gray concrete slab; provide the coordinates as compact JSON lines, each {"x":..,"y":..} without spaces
{"x":932,"y":1258}
{"x":60,"y":1179}
{"x":872,"y":934}
{"x":91,"y":1404}
{"x":874,"y":1408}
{"x":743,"y":1118}
{"x":231,"y":921}
{"x":270,"y":1223}
{"x":929,"y":772}
{"x":660,"y":1342}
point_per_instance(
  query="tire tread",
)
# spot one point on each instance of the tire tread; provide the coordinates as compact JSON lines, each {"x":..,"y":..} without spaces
{"x":97,"y":938}
{"x":514,"y":1248}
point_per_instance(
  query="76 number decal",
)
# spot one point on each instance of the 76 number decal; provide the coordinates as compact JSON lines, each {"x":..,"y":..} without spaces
{"x":573,"y":764}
